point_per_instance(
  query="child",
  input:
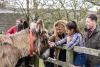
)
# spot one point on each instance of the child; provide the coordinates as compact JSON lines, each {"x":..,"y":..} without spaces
{"x":73,"y":38}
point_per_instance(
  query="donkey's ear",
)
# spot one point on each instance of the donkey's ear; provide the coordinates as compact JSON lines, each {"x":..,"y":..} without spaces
{"x":39,"y":21}
{"x":25,"y":24}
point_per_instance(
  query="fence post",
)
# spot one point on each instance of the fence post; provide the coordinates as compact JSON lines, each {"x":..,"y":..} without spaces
{"x":69,"y":53}
{"x":34,"y":61}
{"x":69,"y":56}
{"x":57,"y":51}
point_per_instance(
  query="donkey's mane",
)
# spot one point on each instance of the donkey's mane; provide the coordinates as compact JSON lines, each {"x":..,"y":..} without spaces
{"x":21,"y":41}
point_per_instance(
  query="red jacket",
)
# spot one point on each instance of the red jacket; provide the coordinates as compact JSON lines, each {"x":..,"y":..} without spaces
{"x":12,"y":30}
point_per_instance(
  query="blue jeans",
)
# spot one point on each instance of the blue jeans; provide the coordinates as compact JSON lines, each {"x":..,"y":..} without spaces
{"x":79,"y":59}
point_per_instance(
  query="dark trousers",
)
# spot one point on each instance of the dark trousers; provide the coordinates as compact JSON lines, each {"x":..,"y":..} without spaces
{"x":88,"y":64}
{"x":62,"y":56}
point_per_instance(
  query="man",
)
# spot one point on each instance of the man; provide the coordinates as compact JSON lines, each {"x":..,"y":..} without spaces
{"x":92,"y":39}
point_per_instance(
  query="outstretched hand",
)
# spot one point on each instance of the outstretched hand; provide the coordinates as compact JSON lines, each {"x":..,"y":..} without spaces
{"x":51,"y":44}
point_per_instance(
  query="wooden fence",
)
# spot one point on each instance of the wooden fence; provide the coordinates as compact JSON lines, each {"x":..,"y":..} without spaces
{"x":69,"y":55}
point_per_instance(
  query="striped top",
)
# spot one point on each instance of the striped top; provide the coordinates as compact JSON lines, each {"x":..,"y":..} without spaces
{"x":76,"y":40}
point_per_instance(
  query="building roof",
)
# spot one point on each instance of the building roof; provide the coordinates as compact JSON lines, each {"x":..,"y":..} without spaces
{"x":6,"y":11}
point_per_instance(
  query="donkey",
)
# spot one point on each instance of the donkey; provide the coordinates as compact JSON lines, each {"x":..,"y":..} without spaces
{"x":18,"y":45}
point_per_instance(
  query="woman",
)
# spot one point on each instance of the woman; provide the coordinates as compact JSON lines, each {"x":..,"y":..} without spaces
{"x":58,"y":33}
{"x":20,"y":25}
{"x":15,"y":28}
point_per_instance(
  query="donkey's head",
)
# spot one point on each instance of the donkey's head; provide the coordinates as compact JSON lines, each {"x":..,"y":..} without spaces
{"x":41,"y":37}
{"x":37,"y":27}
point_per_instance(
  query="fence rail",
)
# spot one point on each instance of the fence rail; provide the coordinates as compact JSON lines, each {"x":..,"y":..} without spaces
{"x":69,"y":54}
{"x":61,"y":63}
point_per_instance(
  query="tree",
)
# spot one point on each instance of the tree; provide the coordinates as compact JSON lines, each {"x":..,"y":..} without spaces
{"x":94,"y":2}
{"x":53,"y":10}
{"x":3,"y":3}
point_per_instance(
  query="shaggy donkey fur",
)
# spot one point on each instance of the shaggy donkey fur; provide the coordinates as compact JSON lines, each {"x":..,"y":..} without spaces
{"x":15,"y":46}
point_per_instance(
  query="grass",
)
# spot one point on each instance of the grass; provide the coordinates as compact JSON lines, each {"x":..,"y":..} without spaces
{"x":41,"y":64}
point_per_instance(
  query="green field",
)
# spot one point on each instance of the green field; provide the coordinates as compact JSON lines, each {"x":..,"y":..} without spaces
{"x":41,"y":63}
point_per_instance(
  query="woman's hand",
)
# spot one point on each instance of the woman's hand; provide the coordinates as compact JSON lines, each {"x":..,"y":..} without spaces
{"x":51,"y":44}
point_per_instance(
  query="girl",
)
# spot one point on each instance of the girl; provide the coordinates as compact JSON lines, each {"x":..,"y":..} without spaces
{"x":73,"y":38}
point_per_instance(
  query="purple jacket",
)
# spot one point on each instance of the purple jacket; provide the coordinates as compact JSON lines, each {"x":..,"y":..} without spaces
{"x":77,"y":40}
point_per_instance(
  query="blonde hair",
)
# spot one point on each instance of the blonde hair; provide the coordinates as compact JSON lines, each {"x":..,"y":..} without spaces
{"x":62,"y":22}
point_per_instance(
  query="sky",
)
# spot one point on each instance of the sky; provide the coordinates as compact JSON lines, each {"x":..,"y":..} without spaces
{"x":23,"y":2}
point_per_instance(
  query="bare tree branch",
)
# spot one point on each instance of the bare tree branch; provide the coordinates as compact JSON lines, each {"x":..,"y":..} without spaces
{"x":94,"y":3}
{"x":67,"y":15}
